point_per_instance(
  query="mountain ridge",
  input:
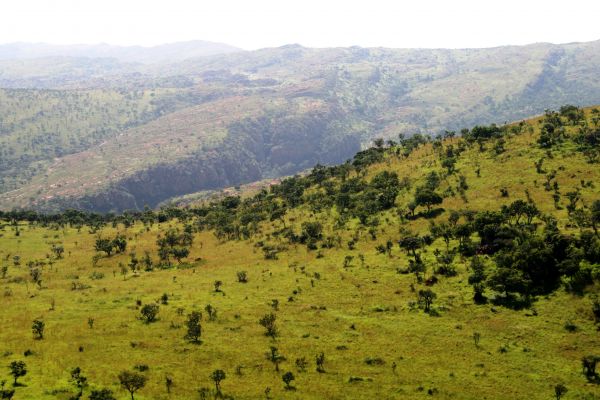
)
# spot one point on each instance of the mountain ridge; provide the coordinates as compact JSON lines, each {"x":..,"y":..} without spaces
{"x":356,"y":94}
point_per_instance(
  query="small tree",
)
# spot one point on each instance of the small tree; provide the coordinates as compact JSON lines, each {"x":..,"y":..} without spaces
{"x":124,"y":270}
{"x":274,"y":356}
{"x":217,"y":376}
{"x":477,"y":279}
{"x":268,"y":322}
{"x":104,"y":245}
{"x":301,"y":364}
{"x":242,"y":276}
{"x":58,"y":251}
{"x":426,"y":197}
{"x":134,"y":263}
{"x":36,"y":276}
{"x":79,"y":381}
{"x":149,"y":313}
{"x":211,"y":311}
{"x":194,"y":329}
{"x":6,"y":393}
{"x":426,"y":297}
{"x":37,"y":327}
{"x":411,"y":244}
{"x":217,"y":285}
{"x":288,"y":377}
{"x":17,"y":370}
{"x":132,"y":381}
{"x":589,"y":366}
{"x":168,"y":383}
{"x":560,"y":390}
{"x":119,"y":243}
{"x":320,"y":361}
{"x":203,"y":393}
{"x":180,"y":252}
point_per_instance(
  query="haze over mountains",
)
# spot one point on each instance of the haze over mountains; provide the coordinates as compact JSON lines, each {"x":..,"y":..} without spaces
{"x":129,"y":54}
{"x":107,"y":128}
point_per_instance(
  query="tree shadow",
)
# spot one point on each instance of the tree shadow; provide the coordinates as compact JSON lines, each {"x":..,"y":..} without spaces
{"x":435,"y":212}
{"x":513,"y":302}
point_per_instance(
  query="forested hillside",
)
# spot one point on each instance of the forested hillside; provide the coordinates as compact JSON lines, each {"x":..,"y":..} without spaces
{"x":238,"y":117}
{"x":457,"y":266}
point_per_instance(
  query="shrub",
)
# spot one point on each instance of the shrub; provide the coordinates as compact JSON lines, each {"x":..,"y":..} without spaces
{"x":426,"y":298}
{"x":268,"y":322}
{"x":288,"y":377}
{"x":102,"y":394}
{"x":242,"y":276}
{"x":149,"y":312}
{"x":37,"y":328}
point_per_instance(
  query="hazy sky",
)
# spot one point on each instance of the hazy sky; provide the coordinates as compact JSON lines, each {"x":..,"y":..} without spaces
{"x":252,"y":24}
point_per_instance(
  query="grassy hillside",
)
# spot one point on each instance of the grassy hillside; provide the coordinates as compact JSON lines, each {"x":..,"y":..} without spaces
{"x":355,"y":93}
{"x":343,"y":258}
{"x":215,"y":144}
{"x":37,"y":126}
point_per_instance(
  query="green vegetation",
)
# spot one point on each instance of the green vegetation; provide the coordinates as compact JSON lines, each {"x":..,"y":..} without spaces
{"x":37,"y":126}
{"x":337,"y":284}
{"x":99,"y":135}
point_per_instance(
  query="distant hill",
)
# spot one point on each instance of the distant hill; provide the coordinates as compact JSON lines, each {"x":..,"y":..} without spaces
{"x":130,"y":54}
{"x":107,"y":135}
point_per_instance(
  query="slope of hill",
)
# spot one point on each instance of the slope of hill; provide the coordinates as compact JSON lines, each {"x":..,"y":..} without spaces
{"x":448,"y":268}
{"x":361,"y":94}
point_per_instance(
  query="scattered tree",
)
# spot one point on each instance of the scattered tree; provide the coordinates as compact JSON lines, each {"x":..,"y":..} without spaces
{"x":6,"y":393}
{"x":426,"y":298}
{"x":217,"y":376}
{"x":37,"y":327}
{"x":301,"y":364}
{"x":560,"y":390}
{"x":320,"y":361}
{"x":102,"y":394}
{"x":79,"y":381}
{"x":274,"y":356}
{"x":242,"y":276}
{"x":268,"y":322}
{"x":168,"y":383}
{"x":589,"y":367}
{"x":211,"y":311}
{"x":149,"y":312}
{"x":132,"y":381}
{"x":194,"y":328}
{"x":288,"y":377}
{"x":17,"y":370}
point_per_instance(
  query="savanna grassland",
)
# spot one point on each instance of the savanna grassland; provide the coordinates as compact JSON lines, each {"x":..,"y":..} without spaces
{"x":401,"y":268}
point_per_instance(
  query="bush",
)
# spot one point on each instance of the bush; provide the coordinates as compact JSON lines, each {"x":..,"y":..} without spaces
{"x":149,"y":312}
{"x":288,"y":377}
{"x":242,"y":276}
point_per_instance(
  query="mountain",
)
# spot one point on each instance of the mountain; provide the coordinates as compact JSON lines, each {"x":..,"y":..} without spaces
{"x":170,"y":52}
{"x":453,"y":268}
{"x":106,"y":135}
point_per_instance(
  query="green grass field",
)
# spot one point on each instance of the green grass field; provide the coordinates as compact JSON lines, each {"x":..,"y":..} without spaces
{"x":378,"y":344}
